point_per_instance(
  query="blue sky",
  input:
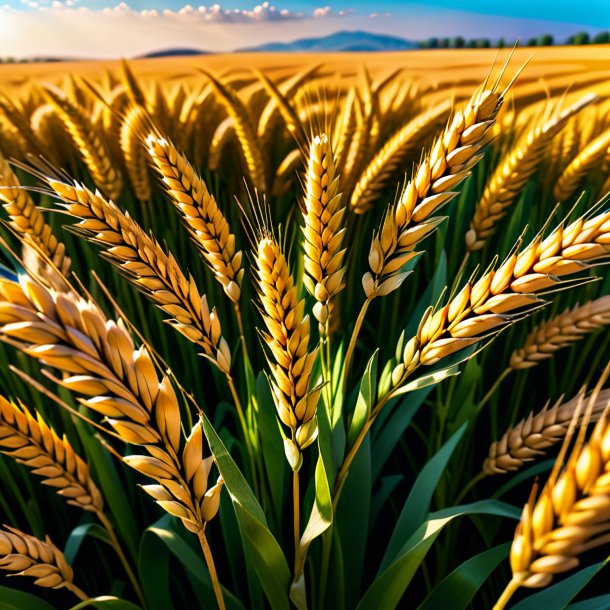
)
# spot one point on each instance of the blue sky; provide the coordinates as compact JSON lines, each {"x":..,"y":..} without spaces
{"x":107,"y":28}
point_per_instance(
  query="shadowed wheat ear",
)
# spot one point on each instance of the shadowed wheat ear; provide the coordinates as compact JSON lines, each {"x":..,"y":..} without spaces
{"x":580,"y":166}
{"x":287,"y":339}
{"x":31,"y":442}
{"x":24,"y":555}
{"x":382,"y":168}
{"x":482,"y":308}
{"x":153,"y":271}
{"x":561,"y":331}
{"x":513,"y":172}
{"x":101,"y":365}
{"x":569,"y":517}
{"x":529,"y":438}
{"x":92,"y":148}
{"x":206,"y":224}
{"x":134,"y":153}
{"x":324,"y":229}
{"x":433,"y":185}
{"x":27,"y":220}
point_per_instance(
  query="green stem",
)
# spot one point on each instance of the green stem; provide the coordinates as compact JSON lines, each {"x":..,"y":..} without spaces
{"x":354,"y":338}
{"x":296,"y":497}
{"x":469,"y":486}
{"x":494,"y":387}
{"x":209,"y":560}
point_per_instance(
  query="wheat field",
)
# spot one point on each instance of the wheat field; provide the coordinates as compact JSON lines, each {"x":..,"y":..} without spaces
{"x":306,"y":331}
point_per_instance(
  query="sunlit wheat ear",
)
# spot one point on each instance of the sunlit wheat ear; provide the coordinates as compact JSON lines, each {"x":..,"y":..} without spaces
{"x":204,"y":220}
{"x":580,"y":166}
{"x":392,"y":155}
{"x":324,"y":216}
{"x":561,"y":331}
{"x":92,"y":148}
{"x":532,"y":436}
{"x":27,"y":220}
{"x":483,"y":307}
{"x":286,"y":172}
{"x":287,"y":340}
{"x":223,"y":135}
{"x":344,"y":128}
{"x":513,"y":172}
{"x":24,"y":555}
{"x":101,"y":365}
{"x":432,"y":186}
{"x":31,"y":442}
{"x":244,"y":129}
{"x":153,"y":271}
{"x":134,"y":152}
{"x":569,"y":517}
{"x":19,"y":127}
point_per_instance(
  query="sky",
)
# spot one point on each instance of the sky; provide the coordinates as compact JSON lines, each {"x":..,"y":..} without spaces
{"x":106,"y":28}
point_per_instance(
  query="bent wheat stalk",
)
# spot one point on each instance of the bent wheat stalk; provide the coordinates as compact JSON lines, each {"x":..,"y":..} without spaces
{"x":25,"y":555}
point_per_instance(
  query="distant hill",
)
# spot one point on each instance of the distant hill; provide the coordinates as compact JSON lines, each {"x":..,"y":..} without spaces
{"x":340,"y":41}
{"x":173,"y":53}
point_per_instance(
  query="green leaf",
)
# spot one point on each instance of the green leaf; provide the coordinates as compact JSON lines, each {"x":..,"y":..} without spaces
{"x":366,"y":398}
{"x":12,"y":599}
{"x":417,"y":505}
{"x":106,"y":602}
{"x":602,"y":602}
{"x":559,"y":595}
{"x":263,"y":549}
{"x":457,"y":589}
{"x":526,"y":474}
{"x":389,"y":587}
{"x":78,"y":534}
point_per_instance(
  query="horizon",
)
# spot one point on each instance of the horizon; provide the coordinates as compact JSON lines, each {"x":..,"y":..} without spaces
{"x":31,"y":29}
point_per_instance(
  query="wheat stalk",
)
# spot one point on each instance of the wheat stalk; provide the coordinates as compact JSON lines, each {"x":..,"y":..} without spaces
{"x":27,"y":220}
{"x":25,"y":555}
{"x":324,"y":229}
{"x":513,"y":172}
{"x":222,"y":136}
{"x":561,"y":331}
{"x":31,"y":442}
{"x":287,"y":340}
{"x":92,"y":148}
{"x":153,"y":271}
{"x":529,"y":438}
{"x":204,"y":220}
{"x":382,"y":167}
{"x":134,"y":153}
{"x":580,"y":166}
{"x":482,"y":308}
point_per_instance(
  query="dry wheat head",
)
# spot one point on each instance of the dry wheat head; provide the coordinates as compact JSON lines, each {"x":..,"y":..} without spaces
{"x":134,"y":153}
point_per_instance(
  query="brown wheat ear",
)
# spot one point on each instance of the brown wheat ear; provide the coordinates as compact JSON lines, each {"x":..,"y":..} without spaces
{"x":529,"y":438}
{"x":24,"y":555}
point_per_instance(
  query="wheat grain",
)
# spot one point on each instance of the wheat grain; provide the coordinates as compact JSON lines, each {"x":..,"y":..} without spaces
{"x":513,"y":173}
{"x":204,"y":220}
{"x":580,"y":166}
{"x":561,"y":331}
{"x":324,"y":229}
{"x":153,"y":271}
{"x":528,"y":439}
{"x":287,"y":340}
{"x":92,"y":148}
{"x":32,"y":443}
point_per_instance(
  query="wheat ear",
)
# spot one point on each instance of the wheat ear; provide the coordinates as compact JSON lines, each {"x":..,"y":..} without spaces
{"x":114,"y":379}
{"x":287,"y":339}
{"x":31,"y":442}
{"x":433,"y":185}
{"x":222,"y":136}
{"x":153,"y":271}
{"x":286,"y":172}
{"x":134,"y":153}
{"x":482,"y":308}
{"x":513,"y":172}
{"x":204,"y":220}
{"x":345,"y":128}
{"x":92,"y":148}
{"x":27,"y":220}
{"x":529,"y":438}
{"x":580,"y":166}
{"x":561,"y":331}
{"x":570,"y":516}
{"x":382,"y":168}
{"x":25,"y":555}
{"x":324,"y":229}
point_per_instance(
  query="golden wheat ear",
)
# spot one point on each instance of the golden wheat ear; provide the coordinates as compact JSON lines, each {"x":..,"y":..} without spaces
{"x":134,"y":152}
{"x":34,"y":444}
{"x":25,"y":555}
